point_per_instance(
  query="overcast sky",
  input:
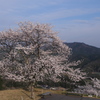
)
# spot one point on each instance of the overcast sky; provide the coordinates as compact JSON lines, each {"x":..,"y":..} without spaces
{"x":75,"y":20}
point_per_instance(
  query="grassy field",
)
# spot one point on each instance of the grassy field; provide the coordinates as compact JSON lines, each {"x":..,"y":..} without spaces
{"x":20,"y":94}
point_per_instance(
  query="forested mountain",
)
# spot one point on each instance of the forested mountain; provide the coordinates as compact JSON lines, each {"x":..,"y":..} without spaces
{"x":90,"y":56}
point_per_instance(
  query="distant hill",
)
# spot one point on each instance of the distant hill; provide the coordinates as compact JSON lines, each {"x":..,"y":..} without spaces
{"x":89,"y":54}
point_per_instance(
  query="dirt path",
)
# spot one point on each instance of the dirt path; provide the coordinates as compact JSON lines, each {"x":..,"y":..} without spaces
{"x":65,"y":97}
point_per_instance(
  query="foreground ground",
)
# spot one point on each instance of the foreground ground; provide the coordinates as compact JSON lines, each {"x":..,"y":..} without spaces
{"x":20,"y":94}
{"x":66,"y":97}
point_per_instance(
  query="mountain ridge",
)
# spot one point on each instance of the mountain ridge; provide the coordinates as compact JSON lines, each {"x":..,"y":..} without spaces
{"x":89,"y":54}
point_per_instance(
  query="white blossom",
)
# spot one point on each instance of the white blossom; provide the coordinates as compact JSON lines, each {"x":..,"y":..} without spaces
{"x":92,"y":88}
{"x":43,"y":53}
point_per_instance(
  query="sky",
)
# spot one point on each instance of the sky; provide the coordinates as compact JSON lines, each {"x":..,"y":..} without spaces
{"x":74,"y":20}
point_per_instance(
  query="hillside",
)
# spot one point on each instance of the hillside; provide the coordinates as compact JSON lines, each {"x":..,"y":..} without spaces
{"x":89,"y":54}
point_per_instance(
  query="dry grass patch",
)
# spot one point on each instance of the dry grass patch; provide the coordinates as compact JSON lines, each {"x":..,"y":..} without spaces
{"x":20,"y":94}
{"x":17,"y":94}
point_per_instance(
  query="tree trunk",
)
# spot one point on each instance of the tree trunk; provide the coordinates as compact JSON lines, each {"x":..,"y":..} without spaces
{"x":32,"y":94}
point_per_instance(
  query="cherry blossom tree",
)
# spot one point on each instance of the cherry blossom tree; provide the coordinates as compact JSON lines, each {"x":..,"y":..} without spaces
{"x":36,"y":53}
{"x":91,"y":88}
{"x":8,"y":41}
{"x":96,"y":85}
